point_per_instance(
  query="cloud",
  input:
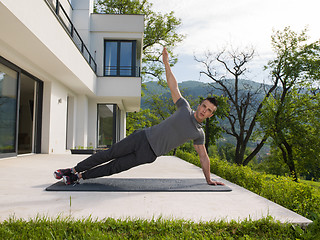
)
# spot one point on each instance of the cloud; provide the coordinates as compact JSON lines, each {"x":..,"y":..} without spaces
{"x":210,"y":23}
{"x":213,"y":24}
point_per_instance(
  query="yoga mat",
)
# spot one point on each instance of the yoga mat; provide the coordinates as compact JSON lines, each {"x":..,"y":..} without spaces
{"x":140,"y":185}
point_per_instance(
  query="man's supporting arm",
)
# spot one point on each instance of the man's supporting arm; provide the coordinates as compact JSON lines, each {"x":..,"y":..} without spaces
{"x":205,"y":164}
{"x":171,"y":80}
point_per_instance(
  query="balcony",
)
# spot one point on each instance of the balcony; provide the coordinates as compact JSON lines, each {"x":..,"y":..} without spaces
{"x":63,"y":15}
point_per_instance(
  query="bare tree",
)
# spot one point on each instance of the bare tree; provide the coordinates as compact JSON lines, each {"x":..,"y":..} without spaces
{"x":227,"y":69}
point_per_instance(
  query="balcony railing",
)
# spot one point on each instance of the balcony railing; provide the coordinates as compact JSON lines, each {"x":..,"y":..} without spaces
{"x":64,"y":18}
{"x":122,"y":71}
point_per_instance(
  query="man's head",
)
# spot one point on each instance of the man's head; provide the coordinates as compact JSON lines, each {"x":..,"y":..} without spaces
{"x":206,"y":109}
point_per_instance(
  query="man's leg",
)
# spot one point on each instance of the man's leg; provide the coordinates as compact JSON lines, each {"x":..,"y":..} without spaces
{"x":130,"y":152}
{"x":119,"y":149}
{"x":142,"y":154}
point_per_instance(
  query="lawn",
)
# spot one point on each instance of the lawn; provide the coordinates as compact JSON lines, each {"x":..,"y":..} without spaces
{"x":109,"y":228}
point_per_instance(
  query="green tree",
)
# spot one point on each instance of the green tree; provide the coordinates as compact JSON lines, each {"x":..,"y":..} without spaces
{"x":162,"y":105}
{"x":293,"y":125}
{"x":160,"y":30}
{"x":290,"y":116}
{"x":140,"y":120}
{"x":227,"y":151}
{"x":272,"y":164}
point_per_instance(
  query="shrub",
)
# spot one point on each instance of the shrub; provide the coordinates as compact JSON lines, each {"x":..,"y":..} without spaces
{"x":297,"y":197}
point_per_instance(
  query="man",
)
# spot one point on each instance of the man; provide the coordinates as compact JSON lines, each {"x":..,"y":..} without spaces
{"x":144,"y":146}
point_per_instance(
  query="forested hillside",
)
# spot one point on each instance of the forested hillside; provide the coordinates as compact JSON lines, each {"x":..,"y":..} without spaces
{"x":195,"y":89}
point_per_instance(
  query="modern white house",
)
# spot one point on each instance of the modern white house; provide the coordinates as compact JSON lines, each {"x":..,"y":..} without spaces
{"x":68,"y":76}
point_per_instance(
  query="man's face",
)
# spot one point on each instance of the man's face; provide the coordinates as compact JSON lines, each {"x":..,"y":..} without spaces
{"x":205,"y":110}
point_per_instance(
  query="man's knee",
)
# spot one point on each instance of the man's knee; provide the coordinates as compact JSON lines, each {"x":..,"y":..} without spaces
{"x":150,"y":159}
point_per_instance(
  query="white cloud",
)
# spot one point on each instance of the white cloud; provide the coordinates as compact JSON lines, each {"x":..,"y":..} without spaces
{"x":212,"y":24}
{"x":247,"y":21}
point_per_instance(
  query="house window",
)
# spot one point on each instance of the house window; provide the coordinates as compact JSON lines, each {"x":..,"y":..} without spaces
{"x":120,"y":58}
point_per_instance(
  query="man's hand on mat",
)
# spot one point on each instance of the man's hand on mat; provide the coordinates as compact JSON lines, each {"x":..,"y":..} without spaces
{"x":210,"y":182}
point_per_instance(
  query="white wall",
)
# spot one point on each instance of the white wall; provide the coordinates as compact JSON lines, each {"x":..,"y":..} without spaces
{"x":92,"y":123}
{"x":117,"y":23}
{"x":46,"y":118}
{"x":82,"y":121}
{"x":82,"y":10}
{"x":71,"y":124}
{"x":37,"y":36}
{"x":123,"y":129}
{"x":126,"y":92}
{"x":54,"y":122}
{"x":115,"y":27}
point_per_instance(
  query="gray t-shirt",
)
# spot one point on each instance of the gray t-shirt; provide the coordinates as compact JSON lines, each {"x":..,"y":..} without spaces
{"x":177,"y":129}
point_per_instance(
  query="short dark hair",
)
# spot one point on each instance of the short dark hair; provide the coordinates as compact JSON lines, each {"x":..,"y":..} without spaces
{"x":213,"y":100}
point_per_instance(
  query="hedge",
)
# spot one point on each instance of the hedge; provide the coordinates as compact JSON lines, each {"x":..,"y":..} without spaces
{"x":295,"y":196}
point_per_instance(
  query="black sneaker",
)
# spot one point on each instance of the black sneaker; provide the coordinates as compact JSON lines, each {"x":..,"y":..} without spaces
{"x":71,"y":179}
{"x":58,"y":174}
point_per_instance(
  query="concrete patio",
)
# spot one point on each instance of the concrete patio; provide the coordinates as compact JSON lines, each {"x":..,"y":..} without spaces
{"x":23,"y":180}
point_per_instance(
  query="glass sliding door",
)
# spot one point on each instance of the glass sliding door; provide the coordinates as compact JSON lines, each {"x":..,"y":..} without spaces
{"x":8,"y":110}
{"x":26,"y":134}
{"x":20,"y":111}
{"x":108,"y":125}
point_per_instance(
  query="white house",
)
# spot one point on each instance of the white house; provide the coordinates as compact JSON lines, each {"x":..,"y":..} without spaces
{"x":67,"y":75}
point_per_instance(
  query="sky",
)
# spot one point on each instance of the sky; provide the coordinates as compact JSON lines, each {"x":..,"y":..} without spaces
{"x":214,"y":24}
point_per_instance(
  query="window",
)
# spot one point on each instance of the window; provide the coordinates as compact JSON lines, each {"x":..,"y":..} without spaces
{"x":120,"y":58}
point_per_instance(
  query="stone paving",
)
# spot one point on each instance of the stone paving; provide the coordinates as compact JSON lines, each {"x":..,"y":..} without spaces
{"x":23,"y":180}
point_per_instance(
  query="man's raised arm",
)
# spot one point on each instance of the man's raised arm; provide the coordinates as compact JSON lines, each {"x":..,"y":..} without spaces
{"x":171,"y":80}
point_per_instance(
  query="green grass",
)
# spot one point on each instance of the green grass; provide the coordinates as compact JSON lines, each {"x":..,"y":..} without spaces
{"x":42,"y":228}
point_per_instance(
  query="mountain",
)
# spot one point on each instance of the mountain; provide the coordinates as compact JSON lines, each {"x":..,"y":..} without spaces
{"x":196,"y":89}
{"x":188,"y":88}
